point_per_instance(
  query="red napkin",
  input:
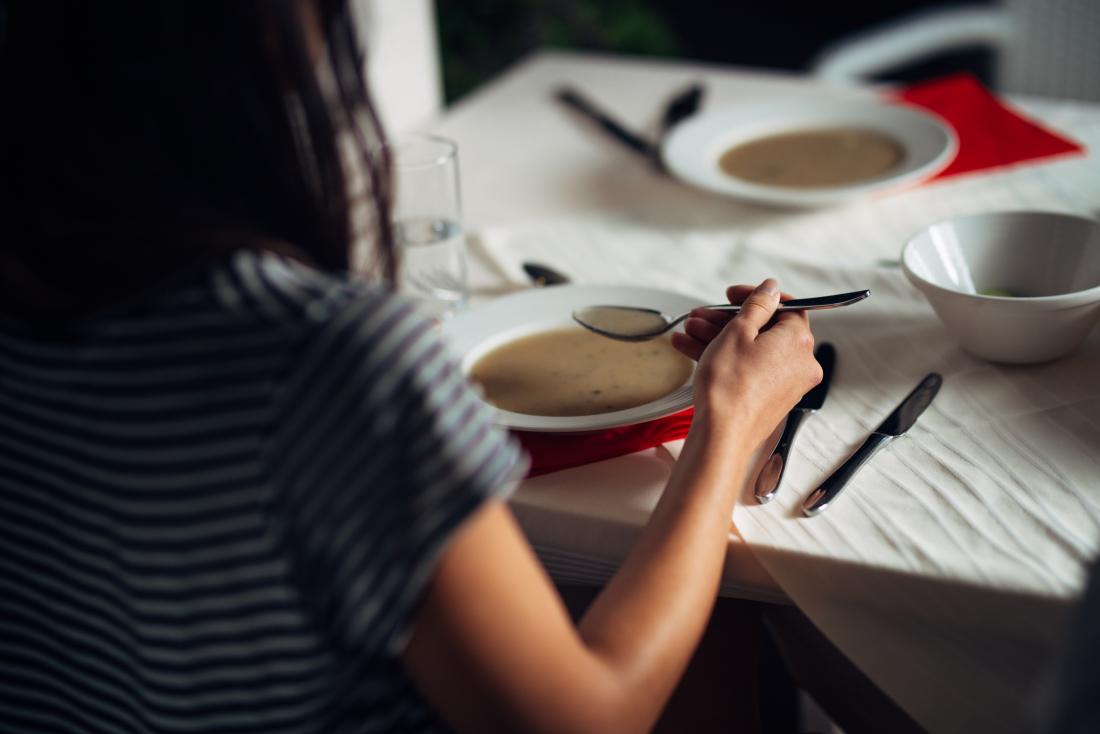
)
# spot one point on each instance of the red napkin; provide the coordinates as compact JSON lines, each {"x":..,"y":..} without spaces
{"x":990,"y":133}
{"x":553,"y":451}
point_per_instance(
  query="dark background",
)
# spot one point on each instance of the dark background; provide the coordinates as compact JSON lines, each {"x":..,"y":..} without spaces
{"x":480,"y":38}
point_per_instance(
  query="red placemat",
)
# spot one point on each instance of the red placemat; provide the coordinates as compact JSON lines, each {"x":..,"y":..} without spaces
{"x":991,"y":134}
{"x":553,"y":451}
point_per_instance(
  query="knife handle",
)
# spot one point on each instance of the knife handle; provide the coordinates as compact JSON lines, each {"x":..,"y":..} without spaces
{"x":819,"y":499}
{"x":574,"y":99}
{"x":770,"y":477}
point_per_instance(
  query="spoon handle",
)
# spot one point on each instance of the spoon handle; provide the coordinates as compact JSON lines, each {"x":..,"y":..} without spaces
{"x":804,"y":304}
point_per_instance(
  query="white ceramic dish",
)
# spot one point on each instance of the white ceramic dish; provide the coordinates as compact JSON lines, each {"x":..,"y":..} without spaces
{"x":1049,"y":261}
{"x":691,"y":151}
{"x":477,"y":331}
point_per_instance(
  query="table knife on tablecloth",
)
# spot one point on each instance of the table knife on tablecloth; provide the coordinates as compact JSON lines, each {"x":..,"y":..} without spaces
{"x":770,"y":477}
{"x":680,"y":107}
{"x":897,"y":423}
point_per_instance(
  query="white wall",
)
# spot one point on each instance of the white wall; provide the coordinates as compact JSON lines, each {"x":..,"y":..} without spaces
{"x":402,"y":60}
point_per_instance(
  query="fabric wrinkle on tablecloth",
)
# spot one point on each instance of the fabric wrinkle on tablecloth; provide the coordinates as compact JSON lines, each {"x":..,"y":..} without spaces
{"x":967,"y":439}
{"x":946,"y":547}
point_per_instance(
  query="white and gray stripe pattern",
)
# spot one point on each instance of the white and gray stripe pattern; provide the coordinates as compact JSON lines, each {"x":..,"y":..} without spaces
{"x":218,"y":514}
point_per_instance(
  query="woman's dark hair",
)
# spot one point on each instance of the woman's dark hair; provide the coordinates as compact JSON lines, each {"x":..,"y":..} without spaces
{"x":141,"y":141}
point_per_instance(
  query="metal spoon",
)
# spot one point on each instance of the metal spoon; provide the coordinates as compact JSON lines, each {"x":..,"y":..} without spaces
{"x":635,"y":324}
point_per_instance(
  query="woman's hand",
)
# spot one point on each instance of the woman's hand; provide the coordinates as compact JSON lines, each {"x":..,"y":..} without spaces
{"x":492,"y":648}
{"x":754,"y":366}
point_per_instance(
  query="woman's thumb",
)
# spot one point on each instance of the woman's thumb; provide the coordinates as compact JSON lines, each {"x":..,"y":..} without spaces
{"x":759,"y":307}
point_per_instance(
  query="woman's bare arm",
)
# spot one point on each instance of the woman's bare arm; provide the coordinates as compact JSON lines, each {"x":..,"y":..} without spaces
{"x":493,"y":648}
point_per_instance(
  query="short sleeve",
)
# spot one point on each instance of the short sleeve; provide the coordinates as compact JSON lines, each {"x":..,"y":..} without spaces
{"x":379,"y":452}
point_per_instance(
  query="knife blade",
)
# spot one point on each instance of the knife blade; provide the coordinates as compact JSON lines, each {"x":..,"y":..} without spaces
{"x":771,"y":476}
{"x":896,"y":424}
{"x":543,"y":274}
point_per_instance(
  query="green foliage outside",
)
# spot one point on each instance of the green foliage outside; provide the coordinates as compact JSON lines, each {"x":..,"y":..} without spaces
{"x":480,"y":38}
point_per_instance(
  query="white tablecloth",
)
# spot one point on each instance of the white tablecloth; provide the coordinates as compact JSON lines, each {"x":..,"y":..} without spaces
{"x":947,"y":568}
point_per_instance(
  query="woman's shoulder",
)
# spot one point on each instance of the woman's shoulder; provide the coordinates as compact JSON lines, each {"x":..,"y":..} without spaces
{"x":278,"y":291}
{"x":333,"y":324}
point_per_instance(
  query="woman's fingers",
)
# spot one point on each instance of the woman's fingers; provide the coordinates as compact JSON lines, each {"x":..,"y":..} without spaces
{"x":735,"y":293}
{"x":718,"y":318}
{"x":797,"y":316}
{"x":759,"y":307}
{"x":688,"y":346}
{"x":738,"y":293}
{"x":796,"y":325}
{"x":698,"y":333}
{"x":702,"y":329}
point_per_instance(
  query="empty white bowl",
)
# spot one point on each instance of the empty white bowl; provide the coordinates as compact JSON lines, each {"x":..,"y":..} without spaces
{"x":1048,"y":262}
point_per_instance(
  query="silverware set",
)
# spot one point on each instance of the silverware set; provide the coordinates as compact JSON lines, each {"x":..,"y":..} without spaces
{"x":771,"y":476}
{"x":681,"y":106}
{"x":896,"y":424}
{"x":767,"y":482}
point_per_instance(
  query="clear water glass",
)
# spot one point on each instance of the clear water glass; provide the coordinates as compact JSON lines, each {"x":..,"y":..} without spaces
{"x":427,"y":217}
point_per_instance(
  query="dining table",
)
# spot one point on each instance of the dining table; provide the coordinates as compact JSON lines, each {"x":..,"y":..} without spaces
{"x":950,"y":569}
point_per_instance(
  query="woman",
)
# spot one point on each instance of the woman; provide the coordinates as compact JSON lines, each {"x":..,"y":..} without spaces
{"x":241,"y":492}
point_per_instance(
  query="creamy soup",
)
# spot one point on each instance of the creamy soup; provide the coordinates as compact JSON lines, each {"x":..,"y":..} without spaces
{"x":569,"y":372}
{"x":618,"y":320}
{"x":813,"y":158}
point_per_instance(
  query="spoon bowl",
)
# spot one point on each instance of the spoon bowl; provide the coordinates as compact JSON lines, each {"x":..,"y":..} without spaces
{"x":635,"y":323}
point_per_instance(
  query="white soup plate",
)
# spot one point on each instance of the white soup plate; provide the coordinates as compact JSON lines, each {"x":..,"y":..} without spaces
{"x":479,"y":330}
{"x":692,"y":149}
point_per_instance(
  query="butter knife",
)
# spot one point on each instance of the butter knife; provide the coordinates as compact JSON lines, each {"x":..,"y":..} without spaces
{"x":612,"y":127}
{"x":681,"y":106}
{"x":896,"y":424}
{"x":770,"y":477}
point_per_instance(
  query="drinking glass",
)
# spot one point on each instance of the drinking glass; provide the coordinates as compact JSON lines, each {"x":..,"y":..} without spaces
{"x":427,"y":218}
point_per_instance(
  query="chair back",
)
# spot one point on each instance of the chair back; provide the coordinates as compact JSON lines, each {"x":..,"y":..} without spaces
{"x":1053,"y":49}
{"x":1042,"y":47}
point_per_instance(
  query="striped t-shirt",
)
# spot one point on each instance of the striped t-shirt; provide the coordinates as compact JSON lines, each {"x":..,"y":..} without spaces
{"x":218,"y":511}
